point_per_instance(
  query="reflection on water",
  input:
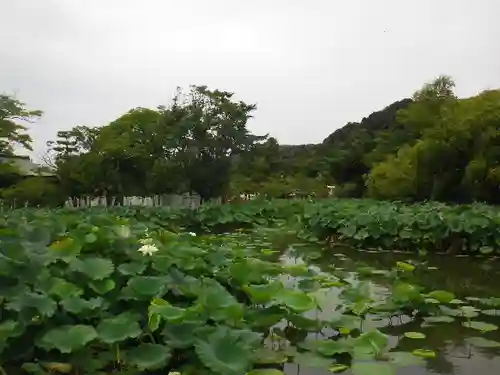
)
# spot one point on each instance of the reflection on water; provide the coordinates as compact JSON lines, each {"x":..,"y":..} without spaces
{"x":463,"y":276}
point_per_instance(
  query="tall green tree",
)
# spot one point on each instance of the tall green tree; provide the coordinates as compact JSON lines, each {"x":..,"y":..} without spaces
{"x":456,"y":159}
{"x":13,"y":133}
{"x":210,"y":134}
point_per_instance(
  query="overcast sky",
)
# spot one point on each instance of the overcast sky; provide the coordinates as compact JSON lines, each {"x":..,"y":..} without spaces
{"x":311,"y":66}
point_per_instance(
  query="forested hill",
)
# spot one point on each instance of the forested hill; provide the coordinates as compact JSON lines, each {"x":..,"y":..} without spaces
{"x":377,"y":121}
{"x":433,"y":146}
{"x":342,"y":156}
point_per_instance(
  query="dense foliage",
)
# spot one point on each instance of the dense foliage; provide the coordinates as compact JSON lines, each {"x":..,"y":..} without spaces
{"x":433,"y":146}
{"x":429,"y":227}
{"x":97,"y":292}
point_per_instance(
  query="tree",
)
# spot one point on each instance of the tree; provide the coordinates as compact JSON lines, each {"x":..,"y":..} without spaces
{"x":456,"y":159}
{"x":72,"y":142}
{"x":11,"y":132}
{"x":190,"y":145}
{"x":210,"y":133}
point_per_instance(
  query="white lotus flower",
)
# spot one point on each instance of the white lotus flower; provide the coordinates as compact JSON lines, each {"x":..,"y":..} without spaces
{"x":148,"y":249}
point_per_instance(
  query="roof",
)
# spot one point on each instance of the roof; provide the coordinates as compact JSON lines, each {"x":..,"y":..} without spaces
{"x":26,"y":166}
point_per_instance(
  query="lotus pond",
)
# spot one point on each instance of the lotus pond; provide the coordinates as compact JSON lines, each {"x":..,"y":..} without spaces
{"x":105,"y":292}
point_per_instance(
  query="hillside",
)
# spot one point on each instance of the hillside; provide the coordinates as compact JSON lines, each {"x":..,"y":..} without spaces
{"x":433,"y":146}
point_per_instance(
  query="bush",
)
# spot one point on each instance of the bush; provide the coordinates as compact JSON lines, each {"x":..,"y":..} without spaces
{"x":33,"y":191}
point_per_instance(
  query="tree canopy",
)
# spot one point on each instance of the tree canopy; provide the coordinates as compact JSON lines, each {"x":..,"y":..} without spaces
{"x":430,"y":146}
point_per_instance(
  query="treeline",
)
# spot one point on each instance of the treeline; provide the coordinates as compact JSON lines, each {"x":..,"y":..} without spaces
{"x":433,"y":146}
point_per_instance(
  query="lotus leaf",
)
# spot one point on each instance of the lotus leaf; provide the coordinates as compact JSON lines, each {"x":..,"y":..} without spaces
{"x":480,"y":326}
{"x":148,"y":356}
{"x":414,"y":335}
{"x":94,"y":268}
{"x":118,"y":328}
{"x":67,"y":339}
{"x":296,"y":300}
{"x":224,"y":354}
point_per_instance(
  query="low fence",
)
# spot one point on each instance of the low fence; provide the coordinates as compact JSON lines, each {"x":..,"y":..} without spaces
{"x":170,"y":200}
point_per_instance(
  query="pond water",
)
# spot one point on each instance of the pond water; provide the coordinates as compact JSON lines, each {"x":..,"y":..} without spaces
{"x":465,"y":277}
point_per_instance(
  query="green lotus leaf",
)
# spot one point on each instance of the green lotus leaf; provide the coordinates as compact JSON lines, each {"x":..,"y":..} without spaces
{"x":94,"y":268}
{"x":349,"y":322}
{"x":165,"y":310}
{"x":266,"y":317}
{"x":10,"y":328}
{"x":180,"y":336}
{"x":469,"y":311}
{"x":90,"y":238}
{"x":66,"y":248}
{"x":338,"y":368}
{"x":296,"y":300}
{"x":102,"y":286}
{"x":141,"y":287}
{"x":76,"y":305}
{"x":264,"y":293}
{"x":442,"y":296}
{"x":64,"y":289}
{"x":480,"y":326}
{"x":371,"y":343}
{"x":133,"y":268}
{"x":148,"y":356}
{"x":44,"y":304}
{"x":224,"y":354}
{"x":491,"y":312}
{"x":451,"y":312}
{"x":118,"y":328}
{"x":403,"y":266}
{"x":481,"y":342}
{"x":67,"y":339}
{"x":404,"y":293}
{"x":312,"y":360}
{"x":424,"y":353}
{"x":360,"y":308}
{"x":154,"y":322}
{"x":215,"y":296}
{"x":492,"y":301}
{"x":330,"y":347}
{"x":372,"y":368}
{"x":415,"y":335}
{"x":218,"y":302}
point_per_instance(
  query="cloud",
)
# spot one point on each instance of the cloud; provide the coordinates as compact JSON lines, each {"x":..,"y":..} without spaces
{"x":310,"y":66}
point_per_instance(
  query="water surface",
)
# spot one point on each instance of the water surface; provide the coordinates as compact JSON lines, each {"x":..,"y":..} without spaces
{"x":463,"y":276}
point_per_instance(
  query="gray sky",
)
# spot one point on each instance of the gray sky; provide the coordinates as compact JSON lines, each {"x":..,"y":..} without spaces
{"x":311,"y":66}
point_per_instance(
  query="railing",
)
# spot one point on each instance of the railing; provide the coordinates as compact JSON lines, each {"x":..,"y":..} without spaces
{"x":171,"y":200}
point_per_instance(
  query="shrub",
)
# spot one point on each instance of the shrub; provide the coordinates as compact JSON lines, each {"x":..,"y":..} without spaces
{"x":33,"y":191}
